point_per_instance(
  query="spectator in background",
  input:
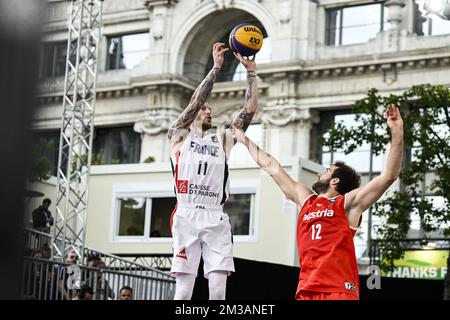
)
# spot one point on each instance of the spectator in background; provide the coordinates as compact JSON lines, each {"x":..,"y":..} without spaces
{"x":46,"y":251}
{"x":37,"y":254}
{"x":84,"y":293}
{"x":42,"y":217}
{"x":102,"y":290}
{"x":93,"y":260}
{"x":40,"y":280}
{"x":63,"y":292}
{"x":35,"y":278}
{"x":126,"y":293}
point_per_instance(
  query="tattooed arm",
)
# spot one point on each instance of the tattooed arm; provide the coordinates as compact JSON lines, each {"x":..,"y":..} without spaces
{"x":198,"y":99}
{"x":245,"y":116}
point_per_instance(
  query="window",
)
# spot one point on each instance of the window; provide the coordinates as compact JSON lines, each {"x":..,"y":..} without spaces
{"x":143,"y":217}
{"x":355,"y":24}
{"x":53,"y":59}
{"x":116,"y":145}
{"x":431,"y":25}
{"x":126,"y":51}
{"x":52,"y":153}
{"x":239,"y":208}
{"x":358,"y":159}
{"x":240,"y":154}
{"x":161,"y":211}
{"x":132,"y":216}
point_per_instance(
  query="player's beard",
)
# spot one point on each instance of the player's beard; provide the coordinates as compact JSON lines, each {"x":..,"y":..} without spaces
{"x":206,"y":126}
{"x":321,"y":186}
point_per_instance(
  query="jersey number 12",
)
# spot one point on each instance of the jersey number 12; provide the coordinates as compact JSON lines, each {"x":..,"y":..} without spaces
{"x":316,"y":229}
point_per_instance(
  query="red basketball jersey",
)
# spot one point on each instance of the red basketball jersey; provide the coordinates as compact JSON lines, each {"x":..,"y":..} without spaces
{"x":325,"y":247}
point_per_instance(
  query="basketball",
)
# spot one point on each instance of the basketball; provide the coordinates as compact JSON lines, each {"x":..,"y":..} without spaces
{"x":246,"y":39}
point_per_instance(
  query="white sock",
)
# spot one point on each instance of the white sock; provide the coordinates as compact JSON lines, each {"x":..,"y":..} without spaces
{"x":184,"y":286}
{"x":217,"y":285}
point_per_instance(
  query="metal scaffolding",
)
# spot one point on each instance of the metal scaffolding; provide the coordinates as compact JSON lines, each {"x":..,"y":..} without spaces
{"x":77,"y":127}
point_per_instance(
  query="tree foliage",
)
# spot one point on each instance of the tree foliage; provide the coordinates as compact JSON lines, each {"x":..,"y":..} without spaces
{"x":41,"y":166}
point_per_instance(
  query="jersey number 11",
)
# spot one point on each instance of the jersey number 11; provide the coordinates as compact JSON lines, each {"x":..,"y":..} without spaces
{"x":204,"y":169}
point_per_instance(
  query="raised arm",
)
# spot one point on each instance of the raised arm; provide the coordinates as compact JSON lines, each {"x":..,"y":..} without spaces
{"x":245,"y":116}
{"x":294,"y":190}
{"x":359,"y":200}
{"x":199,"y":97}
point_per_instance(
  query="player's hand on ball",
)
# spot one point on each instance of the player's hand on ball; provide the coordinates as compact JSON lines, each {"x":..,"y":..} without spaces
{"x":249,"y":64}
{"x":239,"y":135}
{"x":219,"y":50}
{"x":393,"y":118}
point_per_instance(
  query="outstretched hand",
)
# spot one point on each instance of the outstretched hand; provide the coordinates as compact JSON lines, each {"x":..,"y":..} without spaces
{"x":219,"y":50}
{"x":393,"y":118}
{"x":238,"y":135}
{"x":249,"y":64}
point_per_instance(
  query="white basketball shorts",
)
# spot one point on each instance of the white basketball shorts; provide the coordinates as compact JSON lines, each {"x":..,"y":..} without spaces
{"x":205,"y":233}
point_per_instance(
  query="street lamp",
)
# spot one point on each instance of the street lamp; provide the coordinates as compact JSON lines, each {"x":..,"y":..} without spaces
{"x":440,"y":8}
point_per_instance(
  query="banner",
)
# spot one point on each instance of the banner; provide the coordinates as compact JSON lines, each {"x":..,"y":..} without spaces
{"x":421,"y":264}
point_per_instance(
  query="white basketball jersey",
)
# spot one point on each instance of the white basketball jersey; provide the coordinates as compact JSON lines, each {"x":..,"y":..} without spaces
{"x":200,"y":171}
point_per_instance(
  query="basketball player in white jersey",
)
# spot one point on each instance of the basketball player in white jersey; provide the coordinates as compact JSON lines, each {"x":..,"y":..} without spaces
{"x":199,"y":156}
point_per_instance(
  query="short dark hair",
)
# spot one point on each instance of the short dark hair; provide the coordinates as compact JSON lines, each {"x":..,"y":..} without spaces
{"x":126,"y":288}
{"x":92,"y":257}
{"x":46,"y":200}
{"x":84,"y":290}
{"x":349,"y":179}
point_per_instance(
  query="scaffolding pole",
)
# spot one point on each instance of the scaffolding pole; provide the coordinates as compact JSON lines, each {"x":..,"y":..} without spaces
{"x":77,"y":128}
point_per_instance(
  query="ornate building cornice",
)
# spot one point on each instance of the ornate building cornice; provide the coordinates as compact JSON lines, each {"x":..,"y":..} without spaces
{"x":181,"y":85}
{"x":311,"y":71}
{"x":149,"y":4}
{"x":156,"y":121}
{"x":54,"y":92}
{"x":225,"y":118}
{"x":231,"y":93}
{"x":282,"y":116}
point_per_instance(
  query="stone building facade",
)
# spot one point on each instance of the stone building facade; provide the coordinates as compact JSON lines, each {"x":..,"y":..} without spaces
{"x":322,"y":55}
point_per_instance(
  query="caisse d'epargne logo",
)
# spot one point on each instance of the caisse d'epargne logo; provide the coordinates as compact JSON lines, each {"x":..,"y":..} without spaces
{"x":182,"y":186}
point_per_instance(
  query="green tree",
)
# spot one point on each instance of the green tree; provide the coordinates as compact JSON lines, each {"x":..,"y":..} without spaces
{"x":425,"y":110}
{"x":41,"y":166}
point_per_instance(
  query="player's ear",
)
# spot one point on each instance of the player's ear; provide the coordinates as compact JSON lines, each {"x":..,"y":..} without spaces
{"x":334,"y":181}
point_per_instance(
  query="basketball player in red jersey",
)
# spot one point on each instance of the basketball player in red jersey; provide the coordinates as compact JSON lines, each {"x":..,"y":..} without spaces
{"x":329,"y":218}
